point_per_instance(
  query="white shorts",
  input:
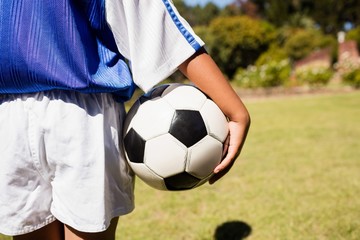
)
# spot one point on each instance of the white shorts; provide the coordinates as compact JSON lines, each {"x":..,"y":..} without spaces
{"x":61,"y":158}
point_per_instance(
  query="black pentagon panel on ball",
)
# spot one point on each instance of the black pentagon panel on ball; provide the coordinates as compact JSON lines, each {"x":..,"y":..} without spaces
{"x":188,"y":127}
{"x":181,"y":181}
{"x":135,"y":146}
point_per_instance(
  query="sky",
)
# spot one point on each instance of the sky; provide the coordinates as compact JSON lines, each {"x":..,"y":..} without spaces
{"x":220,"y":3}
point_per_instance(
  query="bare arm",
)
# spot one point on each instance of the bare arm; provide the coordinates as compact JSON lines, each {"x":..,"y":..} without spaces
{"x":205,"y":74}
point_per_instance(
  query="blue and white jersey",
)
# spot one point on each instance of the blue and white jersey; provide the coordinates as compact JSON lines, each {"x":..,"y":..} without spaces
{"x":91,"y":45}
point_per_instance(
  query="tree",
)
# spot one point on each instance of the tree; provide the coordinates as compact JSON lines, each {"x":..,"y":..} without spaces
{"x":197,"y":15}
{"x":330,"y":15}
{"x":354,"y":34}
{"x":304,"y":41}
{"x":237,"y":41}
{"x":204,"y":15}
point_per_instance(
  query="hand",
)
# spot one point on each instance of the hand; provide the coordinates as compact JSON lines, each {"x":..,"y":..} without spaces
{"x":205,"y":74}
{"x":232,"y":148}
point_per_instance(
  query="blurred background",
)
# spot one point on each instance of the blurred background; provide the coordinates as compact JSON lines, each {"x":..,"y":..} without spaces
{"x":272,"y":43}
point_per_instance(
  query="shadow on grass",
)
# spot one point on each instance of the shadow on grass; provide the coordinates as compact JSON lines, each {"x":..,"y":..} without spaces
{"x":233,"y":230}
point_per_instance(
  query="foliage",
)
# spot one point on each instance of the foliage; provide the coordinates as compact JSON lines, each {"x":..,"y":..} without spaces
{"x":244,"y":33}
{"x":202,"y":15}
{"x":238,"y":41}
{"x":197,"y":15}
{"x":302,"y":42}
{"x":272,"y":74}
{"x":299,"y":20}
{"x":352,"y":78}
{"x":298,"y":42}
{"x":354,"y":34}
{"x":206,"y":36}
{"x":278,"y":11}
{"x":314,"y":76}
{"x":207,"y":13}
{"x":274,"y":53}
{"x":329,"y":15}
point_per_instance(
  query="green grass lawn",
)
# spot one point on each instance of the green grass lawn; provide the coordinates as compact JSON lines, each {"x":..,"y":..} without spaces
{"x":298,"y":178}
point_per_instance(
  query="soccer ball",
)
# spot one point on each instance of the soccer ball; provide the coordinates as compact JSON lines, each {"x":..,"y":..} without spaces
{"x":173,"y":137}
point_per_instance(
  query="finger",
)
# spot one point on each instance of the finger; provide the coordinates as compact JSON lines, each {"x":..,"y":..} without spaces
{"x":230,"y":152}
{"x":229,"y":158}
{"x":224,"y":167}
{"x":220,"y":174}
{"x":226,"y":146}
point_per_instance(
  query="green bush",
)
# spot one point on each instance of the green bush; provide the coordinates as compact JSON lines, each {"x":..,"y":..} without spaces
{"x":237,"y":41}
{"x":354,"y":34}
{"x":304,"y":41}
{"x":247,"y":78}
{"x":300,"y":44}
{"x":272,"y":74}
{"x":314,"y":76}
{"x":352,"y":78}
{"x":274,"y":53}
